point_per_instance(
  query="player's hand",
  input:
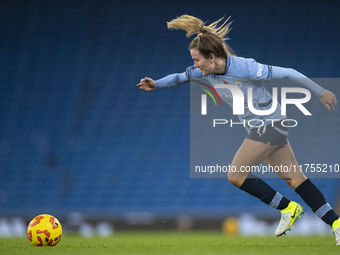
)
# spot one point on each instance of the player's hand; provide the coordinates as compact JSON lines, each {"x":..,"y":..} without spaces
{"x":147,"y":84}
{"x":328,"y":99}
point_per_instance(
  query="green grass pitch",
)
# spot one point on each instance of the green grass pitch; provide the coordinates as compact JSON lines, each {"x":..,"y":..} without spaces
{"x":175,"y":243}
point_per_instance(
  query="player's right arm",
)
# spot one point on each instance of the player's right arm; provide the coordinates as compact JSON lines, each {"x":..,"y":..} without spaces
{"x":169,"y":81}
{"x":147,"y":84}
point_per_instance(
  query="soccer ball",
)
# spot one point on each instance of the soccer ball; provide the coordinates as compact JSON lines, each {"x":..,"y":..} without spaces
{"x":44,"y":230}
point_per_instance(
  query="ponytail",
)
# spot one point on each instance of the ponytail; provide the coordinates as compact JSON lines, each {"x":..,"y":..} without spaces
{"x":209,"y":39}
{"x":190,"y":24}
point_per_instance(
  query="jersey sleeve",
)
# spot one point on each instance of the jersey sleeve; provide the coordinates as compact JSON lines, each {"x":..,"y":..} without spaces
{"x":176,"y":79}
{"x":298,"y":78}
{"x":248,"y":68}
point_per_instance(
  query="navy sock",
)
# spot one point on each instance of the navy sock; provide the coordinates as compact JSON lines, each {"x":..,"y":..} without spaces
{"x":260,"y":189}
{"x":316,"y":201}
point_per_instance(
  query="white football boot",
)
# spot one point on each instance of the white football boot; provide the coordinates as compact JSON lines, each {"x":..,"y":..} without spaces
{"x":288,"y":216}
{"x":336,"y":229}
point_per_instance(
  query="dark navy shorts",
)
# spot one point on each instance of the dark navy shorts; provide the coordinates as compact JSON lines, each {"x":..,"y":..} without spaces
{"x":275,"y":134}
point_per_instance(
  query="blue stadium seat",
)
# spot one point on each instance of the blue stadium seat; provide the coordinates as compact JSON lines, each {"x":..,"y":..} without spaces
{"x":77,"y":135}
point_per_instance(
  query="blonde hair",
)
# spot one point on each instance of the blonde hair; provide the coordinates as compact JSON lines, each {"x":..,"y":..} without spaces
{"x":209,"y":39}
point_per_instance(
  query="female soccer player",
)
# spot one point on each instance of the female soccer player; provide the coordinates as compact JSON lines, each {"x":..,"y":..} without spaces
{"x":214,"y":59}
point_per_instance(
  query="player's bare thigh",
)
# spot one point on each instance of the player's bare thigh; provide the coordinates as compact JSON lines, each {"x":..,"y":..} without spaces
{"x":284,"y":156}
{"x":251,"y":153}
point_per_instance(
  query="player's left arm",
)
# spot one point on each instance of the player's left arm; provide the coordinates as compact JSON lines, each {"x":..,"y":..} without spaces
{"x":327,"y":98}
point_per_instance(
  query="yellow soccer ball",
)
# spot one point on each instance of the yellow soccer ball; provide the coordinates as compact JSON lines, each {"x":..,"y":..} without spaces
{"x":44,"y":230}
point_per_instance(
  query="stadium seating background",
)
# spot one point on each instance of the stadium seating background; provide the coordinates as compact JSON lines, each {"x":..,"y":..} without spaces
{"x":77,"y":135}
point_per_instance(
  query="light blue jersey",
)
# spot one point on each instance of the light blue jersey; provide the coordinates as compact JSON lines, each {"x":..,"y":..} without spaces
{"x":245,"y":73}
